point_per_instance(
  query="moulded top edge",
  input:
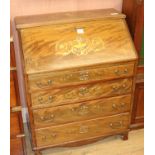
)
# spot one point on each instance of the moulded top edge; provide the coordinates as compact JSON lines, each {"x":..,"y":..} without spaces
{"x":66,"y":17}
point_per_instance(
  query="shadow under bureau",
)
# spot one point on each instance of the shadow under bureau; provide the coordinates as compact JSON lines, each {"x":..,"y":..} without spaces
{"x":79,"y":73}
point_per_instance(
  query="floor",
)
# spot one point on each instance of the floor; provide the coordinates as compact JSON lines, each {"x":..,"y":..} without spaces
{"x":109,"y":146}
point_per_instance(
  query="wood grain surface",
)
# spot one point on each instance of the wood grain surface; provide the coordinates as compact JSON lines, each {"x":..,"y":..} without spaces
{"x":66,"y":17}
{"x":81,"y":93}
{"x":76,"y":76}
{"x":101,"y":41}
{"x":81,"y":130}
{"x":81,"y":111}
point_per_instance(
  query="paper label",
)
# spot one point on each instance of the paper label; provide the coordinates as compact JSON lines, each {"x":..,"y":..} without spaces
{"x":80,"y":31}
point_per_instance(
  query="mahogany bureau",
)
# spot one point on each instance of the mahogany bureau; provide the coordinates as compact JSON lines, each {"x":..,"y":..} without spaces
{"x":79,"y":71}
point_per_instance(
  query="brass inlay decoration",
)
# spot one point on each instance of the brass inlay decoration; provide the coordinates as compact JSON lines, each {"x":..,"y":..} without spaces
{"x":79,"y":46}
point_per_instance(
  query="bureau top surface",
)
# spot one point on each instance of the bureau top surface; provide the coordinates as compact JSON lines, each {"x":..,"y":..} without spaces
{"x":53,"y":42}
{"x":66,"y":17}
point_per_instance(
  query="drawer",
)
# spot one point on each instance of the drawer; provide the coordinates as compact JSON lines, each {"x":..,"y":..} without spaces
{"x":82,"y":130}
{"x":78,"y":76}
{"x":81,"y":93}
{"x":81,"y":111}
{"x":16,"y":147}
{"x":15,"y":124}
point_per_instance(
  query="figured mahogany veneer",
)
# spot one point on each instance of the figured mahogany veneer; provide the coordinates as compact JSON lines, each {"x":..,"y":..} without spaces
{"x":59,"y":51}
{"x":81,"y":111}
{"x":82,"y":130}
{"x":80,"y":93}
{"x":79,"y":76}
{"x":79,"y":72}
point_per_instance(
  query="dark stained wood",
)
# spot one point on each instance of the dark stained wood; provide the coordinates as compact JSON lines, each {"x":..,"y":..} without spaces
{"x":15,"y":127}
{"x":16,"y":146}
{"x":134,"y":10}
{"x":12,"y":91}
{"x":17,"y":142}
{"x":140,"y":70}
{"x":139,"y":27}
{"x":125,"y":136}
{"x":138,"y":110}
{"x":12,"y":55}
{"x":37,"y":153}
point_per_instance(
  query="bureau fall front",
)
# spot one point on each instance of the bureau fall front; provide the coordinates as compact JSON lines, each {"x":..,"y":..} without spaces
{"x":79,"y":70}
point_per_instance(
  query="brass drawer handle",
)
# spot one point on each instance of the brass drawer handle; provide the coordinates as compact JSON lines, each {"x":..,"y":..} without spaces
{"x":124,"y":85}
{"x":84,"y":76}
{"x":41,"y":85}
{"x":44,"y":138}
{"x":69,"y":95}
{"x":82,"y":110}
{"x":123,"y":105}
{"x":115,"y":88}
{"x":116,"y":125}
{"x":67,"y":77}
{"x":83,"y":91}
{"x":54,"y":135}
{"x":50,"y":98}
{"x":125,"y":70}
{"x":47,"y":117}
{"x":83,"y":129}
{"x":117,"y":72}
{"x":116,"y":107}
{"x":20,"y":136}
{"x":41,"y":101}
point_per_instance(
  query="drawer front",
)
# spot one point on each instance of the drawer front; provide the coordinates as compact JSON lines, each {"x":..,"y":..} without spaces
{"x":15,"y":126}
{"x":81,"y":130}
{"x":77,"y":76}
{"x":81,"y":93}
{"x":81,"y":111}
